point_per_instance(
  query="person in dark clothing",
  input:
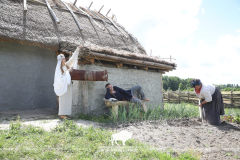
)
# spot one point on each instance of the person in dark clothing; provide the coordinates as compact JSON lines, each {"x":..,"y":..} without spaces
{"x":125,"y":95}
{"x":211,"y":101}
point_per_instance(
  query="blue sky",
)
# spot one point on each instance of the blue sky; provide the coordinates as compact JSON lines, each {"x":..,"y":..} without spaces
{"x":203,"y":35}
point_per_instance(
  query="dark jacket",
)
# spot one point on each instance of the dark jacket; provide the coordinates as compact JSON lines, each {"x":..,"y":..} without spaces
{"x":120,"y":94}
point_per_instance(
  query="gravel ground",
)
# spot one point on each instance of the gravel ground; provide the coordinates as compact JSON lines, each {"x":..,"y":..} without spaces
{"x":211,"y":142}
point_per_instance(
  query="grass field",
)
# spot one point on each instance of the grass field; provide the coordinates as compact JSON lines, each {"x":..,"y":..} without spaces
{"x":68,"y":141}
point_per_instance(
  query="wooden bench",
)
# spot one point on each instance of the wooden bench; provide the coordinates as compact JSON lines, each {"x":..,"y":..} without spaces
{"x":123,"y":103}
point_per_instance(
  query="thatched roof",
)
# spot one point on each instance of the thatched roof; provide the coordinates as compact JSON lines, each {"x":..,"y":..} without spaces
{"x":38,"y":27}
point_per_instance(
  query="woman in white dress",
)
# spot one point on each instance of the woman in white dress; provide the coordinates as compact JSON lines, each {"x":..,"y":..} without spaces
{"x":62,"y":82}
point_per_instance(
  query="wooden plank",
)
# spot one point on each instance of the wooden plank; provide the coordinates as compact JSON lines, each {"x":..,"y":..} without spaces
{"x":25,"y":5}
{"x":74,"y":17}
{"x":52,"y":13}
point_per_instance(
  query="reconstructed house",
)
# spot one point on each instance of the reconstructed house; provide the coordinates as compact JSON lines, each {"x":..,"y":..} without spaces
{"x":34,"y":32}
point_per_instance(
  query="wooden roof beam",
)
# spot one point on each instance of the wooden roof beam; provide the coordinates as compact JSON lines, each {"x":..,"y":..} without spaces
{"x":111,"y":58}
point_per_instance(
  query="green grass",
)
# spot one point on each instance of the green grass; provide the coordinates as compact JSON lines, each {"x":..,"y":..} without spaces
{"x":68,"y":141}
{"x":170,"y":111}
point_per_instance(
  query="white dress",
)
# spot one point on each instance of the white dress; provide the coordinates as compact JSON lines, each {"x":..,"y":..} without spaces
{"x":65,"y":101}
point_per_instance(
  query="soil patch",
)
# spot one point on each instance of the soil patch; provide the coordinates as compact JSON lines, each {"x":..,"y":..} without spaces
{"x":212,"y":142}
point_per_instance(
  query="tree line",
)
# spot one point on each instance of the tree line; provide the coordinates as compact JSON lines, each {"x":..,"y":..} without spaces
{"x":175,"y":82}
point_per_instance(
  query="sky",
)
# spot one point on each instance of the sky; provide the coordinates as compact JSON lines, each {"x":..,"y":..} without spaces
{"x":202,"y":35}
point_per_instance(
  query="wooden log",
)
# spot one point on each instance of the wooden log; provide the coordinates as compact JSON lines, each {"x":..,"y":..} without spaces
{"x":74,"y":17}
{"x":106,"y":57}
{"x":52,"y":13}
{"x":85,"y":75}
{"x":25,"y":5}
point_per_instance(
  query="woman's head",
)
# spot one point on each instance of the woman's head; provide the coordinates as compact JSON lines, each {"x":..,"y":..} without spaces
{"x":196,"y":83}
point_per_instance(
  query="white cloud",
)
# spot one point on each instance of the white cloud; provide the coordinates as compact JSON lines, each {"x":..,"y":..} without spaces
{"x":203,"y":11}
{"x":161,"y":24}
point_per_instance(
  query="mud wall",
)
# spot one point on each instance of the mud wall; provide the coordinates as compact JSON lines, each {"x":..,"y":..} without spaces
{"x":26,"y":77}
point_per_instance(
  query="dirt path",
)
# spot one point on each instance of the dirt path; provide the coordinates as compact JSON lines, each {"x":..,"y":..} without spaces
{"x":45,"y":118}
{"x":212,"y":142}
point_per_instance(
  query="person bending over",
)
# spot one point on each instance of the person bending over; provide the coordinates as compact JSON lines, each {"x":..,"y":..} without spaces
{"x":125,"y":95}
{"x":211,"y":101}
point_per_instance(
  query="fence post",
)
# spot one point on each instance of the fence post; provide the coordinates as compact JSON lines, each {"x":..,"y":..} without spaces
{"x":168,"y":94}
{"x":188,"y":93}
{"x":179,"y":95}
{"x":231,"y":98}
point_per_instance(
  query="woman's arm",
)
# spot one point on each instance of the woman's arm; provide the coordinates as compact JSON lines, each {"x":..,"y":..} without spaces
{"x":73,"y":58}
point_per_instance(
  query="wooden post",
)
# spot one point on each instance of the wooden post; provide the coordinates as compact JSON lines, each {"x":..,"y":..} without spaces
{"x":179,"y":95}
{"x":232,"y":98}
{"x":168,"y":94}
{"x":52,"y":13}
{"x":188,"y":93}
{"x":25,"y":5}
{"x":73,"y":15}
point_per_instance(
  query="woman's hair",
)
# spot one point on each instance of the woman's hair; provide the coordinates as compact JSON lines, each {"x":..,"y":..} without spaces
{"x":195,"y":82}
{"x":62,"y":55}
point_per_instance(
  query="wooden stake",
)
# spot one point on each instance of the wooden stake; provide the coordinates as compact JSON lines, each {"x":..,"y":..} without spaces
{"x":52,"y":13}
{"x":90,"y":5}
{"x":80,"y":28}
{"x":25,"y":5}
{"x":108,"y":11}
{"x":100,"y":9}
{"x":75,"y":2}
